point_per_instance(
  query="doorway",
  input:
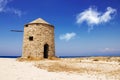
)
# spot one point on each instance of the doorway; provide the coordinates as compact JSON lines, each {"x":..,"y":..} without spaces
{"x":46,"y":49}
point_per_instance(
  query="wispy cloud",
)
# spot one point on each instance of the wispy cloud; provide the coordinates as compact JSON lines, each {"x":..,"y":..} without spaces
{"x":6,"y":9}
{"x":67,"y":36}
{"x":3,"y":4}
{"x":14,"y":11}
{"x":92,"y":17}
{"x":110,"y":50}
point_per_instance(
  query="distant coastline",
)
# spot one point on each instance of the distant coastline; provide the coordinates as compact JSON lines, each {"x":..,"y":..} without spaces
{"x":86,"y":56}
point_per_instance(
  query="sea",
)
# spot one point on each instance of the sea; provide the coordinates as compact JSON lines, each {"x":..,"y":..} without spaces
{"x":10,"y":56}
{"x":58,"y":56}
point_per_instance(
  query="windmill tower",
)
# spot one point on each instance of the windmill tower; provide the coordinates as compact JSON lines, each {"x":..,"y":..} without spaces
{"x":38,"y":39}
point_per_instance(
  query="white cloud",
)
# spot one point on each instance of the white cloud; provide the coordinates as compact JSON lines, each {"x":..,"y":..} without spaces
{"x":67,"y":36}
{"x":6,"y":9}
{"x":92,"y":17}
{"x":109,"y":50}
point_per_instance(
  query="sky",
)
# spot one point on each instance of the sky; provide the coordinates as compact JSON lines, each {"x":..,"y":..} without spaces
{"x":82,"y":27}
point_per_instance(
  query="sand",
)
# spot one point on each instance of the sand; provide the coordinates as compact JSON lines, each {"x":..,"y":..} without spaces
{"x":10,"y":69}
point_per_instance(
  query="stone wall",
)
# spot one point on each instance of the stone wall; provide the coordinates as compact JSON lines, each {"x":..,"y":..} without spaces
{"x":42,"y":34}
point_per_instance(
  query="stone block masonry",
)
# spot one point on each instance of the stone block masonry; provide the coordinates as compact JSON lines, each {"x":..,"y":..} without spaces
{"x":38,"y":41}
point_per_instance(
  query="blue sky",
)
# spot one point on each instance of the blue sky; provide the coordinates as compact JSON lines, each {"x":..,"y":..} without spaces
{"x":82,"y":27}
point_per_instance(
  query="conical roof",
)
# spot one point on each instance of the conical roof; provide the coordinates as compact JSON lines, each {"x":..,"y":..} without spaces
{"x":39,"y":20}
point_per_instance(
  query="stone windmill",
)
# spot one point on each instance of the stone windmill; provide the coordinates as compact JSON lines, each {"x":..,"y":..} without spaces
{"x":38,"y":41}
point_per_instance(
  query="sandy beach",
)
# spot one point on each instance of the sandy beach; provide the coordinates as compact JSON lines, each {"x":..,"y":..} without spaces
{"x":63,"y":69}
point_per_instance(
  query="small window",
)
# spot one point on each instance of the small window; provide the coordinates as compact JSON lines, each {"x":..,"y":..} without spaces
{"x":30,"y":38}
{"x":26,"y":25}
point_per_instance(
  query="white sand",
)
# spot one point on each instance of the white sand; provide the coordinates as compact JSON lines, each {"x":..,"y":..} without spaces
{"x":10,"y":69}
